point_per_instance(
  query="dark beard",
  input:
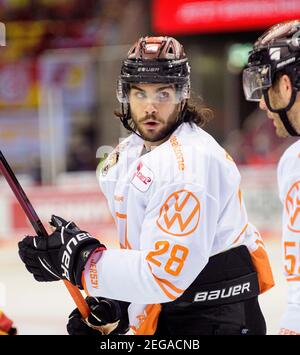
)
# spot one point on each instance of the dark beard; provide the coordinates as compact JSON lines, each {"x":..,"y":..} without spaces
{"x":165,"y":131}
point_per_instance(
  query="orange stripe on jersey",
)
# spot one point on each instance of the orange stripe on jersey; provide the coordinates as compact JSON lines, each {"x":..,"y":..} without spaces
{"x":240,"y":197}
{"x":296,"y":278}
{"x":166,"y":292}
{"x":127,"y":244}
{"x":169,"y":284}
{"x":243,"y":230}
{"x":148,"y":322}
{"x":121,"y":215}
{"x":260,"y":243}
{"x":263,"y":268}
{"x":162,"y":283}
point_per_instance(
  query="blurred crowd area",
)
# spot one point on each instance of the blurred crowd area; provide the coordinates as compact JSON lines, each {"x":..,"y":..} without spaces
{"x":58,"y":75}
{"x":15,"y":10}
{"x":34,"y":66}
{"x":34,"y":26}
{"x":255,"y":143}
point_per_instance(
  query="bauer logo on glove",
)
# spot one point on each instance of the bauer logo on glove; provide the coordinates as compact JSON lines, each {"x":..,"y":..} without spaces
{"x":67,"y":254}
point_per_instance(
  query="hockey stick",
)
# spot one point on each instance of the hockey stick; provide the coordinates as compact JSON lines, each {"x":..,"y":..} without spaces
{"x":38,"y":227}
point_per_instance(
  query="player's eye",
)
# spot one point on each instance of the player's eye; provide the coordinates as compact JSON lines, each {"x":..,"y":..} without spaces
{"x":163,"y":96}
{"x":139,"y":95}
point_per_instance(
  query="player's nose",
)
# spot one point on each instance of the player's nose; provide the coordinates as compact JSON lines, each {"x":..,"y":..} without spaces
{"x":150,"y":108}
{"x":262,"y":103}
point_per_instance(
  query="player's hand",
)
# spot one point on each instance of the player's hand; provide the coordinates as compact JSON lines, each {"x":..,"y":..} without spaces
{"x":105,"y":318}
{"x":6,"y":325}
{"x":62,"y":255}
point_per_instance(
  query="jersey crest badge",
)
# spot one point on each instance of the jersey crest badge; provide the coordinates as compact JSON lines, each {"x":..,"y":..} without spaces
{"x":112,"y":159}
{"x":109,"y":162}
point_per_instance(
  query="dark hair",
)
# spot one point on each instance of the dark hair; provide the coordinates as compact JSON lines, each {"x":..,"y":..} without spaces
{"x":197,"y":112}
{"x":194,"y":112}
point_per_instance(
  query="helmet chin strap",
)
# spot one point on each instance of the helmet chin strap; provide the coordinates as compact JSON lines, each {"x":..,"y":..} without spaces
{"x":283,"y":112}
{"x":126,"y":117}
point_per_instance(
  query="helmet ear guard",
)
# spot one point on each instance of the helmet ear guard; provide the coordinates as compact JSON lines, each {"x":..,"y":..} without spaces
{"x":183,"y":91}
{"x":122,"y":92}
{"x":295,"y":41}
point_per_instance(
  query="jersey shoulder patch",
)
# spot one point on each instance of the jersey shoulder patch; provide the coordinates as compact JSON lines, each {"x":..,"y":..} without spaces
{"x":112,"y":159}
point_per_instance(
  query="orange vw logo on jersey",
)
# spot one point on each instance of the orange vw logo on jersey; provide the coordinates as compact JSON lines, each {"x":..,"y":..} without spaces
{"x":180,"y":214}
{"x":292,"y":205}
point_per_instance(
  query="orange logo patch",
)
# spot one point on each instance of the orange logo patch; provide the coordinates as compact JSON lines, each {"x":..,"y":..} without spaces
{"x":180,"y":214}
{"x":292,"y":205}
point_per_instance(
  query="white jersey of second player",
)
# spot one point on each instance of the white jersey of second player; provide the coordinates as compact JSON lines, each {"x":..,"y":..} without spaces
{"x":288,"y":175}
{"x":174,"y":207}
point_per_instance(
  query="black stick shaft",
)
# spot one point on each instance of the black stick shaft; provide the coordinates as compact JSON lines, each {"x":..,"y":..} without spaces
{"x":21,"y":197}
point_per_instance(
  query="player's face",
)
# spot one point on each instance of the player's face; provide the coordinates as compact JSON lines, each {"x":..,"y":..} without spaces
{"x":279,"y":97}
{"x":154,"y":110}
{"x":279,"y":127}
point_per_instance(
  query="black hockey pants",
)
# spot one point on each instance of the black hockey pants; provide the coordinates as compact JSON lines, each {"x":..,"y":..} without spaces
{"x":224,"y":306}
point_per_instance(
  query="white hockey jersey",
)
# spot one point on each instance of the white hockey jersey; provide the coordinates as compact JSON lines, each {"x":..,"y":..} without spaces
{"x":288,"y":175}
{"x":174,"y":207}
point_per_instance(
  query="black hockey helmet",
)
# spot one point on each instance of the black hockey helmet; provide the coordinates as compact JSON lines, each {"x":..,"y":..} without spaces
{"x":155,"y":60}
{"x":276,"y":51}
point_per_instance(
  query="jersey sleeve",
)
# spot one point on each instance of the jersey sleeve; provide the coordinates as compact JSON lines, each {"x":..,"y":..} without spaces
{"x":175,"y":243}
{"x":289,"y":188}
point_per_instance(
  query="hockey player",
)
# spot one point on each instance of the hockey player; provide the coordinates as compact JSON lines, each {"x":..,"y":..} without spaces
{"x":190,"y":262}
{"x":273,"y":79}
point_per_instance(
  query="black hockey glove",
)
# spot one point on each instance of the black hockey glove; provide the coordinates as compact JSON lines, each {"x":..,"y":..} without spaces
{"x":62,"y":255}
{"x":107,"y":317}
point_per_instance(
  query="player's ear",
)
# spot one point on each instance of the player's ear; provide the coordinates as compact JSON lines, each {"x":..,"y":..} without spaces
{"x":285,"y":87}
